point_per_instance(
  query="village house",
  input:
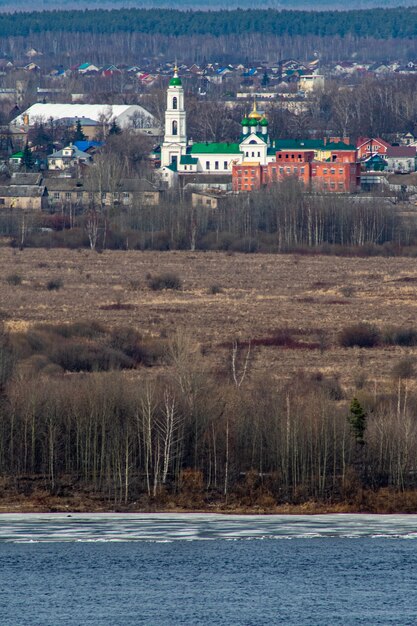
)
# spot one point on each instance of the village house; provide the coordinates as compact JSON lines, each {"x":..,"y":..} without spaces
{"x":67,"y":158}
{"x":82,"y":193}
{"x":24,"y":191}
{"x":401,"y":159}
{"x":367,"y":147}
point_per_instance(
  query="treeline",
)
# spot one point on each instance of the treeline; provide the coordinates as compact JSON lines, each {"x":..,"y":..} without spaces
{"x":280,"y":219}
{"x":396,"y":23}
{"x":193,"y":435}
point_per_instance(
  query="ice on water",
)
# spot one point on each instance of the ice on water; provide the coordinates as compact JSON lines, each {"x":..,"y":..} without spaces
{"x":166,"y":527}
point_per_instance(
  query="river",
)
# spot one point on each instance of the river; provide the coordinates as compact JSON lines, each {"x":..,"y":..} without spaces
{"x":202,"y":569}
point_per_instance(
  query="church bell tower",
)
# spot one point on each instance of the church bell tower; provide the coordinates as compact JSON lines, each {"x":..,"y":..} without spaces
{"x":175,"y":138}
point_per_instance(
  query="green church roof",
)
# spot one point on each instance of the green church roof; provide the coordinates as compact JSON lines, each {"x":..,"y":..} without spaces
{"x":245,"y":122}
{"x":215,"y":148}
{"x":187,"y":159}
{"x":175,"y":80}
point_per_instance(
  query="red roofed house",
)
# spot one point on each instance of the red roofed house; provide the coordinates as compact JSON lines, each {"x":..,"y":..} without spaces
{"x":367,"y":147}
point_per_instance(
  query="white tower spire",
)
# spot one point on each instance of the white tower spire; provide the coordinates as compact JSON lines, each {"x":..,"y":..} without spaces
{"x":175,"y":138}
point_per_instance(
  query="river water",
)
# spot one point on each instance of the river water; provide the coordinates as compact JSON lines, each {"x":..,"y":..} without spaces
{"x":195,"y":569}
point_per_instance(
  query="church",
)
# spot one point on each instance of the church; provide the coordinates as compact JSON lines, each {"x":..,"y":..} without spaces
{"x":185,"y":157}
{"x":255,"y":160}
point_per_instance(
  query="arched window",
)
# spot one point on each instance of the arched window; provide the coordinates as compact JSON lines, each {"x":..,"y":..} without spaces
{"x":175,"y":102}
{"x":175,"y":127}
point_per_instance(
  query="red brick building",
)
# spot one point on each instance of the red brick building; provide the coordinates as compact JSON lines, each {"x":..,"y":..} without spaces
{"x":339,"y":174}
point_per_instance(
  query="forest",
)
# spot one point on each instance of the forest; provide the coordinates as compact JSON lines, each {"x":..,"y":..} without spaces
{"x":396,"y":23}
{"x":71,"y":420}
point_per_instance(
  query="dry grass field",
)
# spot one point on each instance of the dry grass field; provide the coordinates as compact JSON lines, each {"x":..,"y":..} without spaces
{"x":313,"y":297}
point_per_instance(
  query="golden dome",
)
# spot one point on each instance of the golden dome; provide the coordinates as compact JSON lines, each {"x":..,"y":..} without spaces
{"x":254,"y":115}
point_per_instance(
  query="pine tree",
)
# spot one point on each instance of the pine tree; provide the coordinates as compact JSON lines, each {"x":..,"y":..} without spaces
{"x":78,"y":133}
{"x":28,"y":161}
{"x":114,"y":128}
{"x":357,"y":420}
{"x":265,"y":79}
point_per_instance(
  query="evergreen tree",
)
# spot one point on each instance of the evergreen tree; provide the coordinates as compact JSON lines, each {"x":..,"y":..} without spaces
{"x":78,"y":133}
{"x":357,"y":420}
{"x":114,"y":128}
{"x":265,"y":79}
{"x":28,"y":161}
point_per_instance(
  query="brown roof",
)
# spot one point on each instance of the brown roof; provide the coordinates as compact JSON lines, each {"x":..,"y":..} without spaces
{"x":401,"y":152}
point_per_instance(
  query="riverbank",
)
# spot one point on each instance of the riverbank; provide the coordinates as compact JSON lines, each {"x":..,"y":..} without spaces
{"x":384,"y":501}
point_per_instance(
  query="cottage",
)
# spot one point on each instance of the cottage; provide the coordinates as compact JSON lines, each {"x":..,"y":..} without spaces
{"x":401,"y":159}
{"x":68,"y":157}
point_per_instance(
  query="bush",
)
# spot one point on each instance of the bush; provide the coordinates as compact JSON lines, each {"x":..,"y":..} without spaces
{"x":54,"y":284}
{"x":80,"y":357}
{"x":215,"y":289}
{"x":168,"y":280}
{"x":362,"y":335}
{"x":404,"y":369}
{"x":401,"y":337}
{"x":14,"y":279}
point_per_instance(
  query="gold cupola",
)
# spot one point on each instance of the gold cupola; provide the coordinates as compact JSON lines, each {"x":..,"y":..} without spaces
{"x":254,"y":115}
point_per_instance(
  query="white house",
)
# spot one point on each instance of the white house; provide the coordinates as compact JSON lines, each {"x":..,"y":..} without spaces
{"x":124,"y":114}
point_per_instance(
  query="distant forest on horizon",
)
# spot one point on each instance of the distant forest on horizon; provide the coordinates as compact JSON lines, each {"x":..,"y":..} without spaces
{"x":134,"y":35}
{"x":208,"y":5}
{"x":394,"y":23}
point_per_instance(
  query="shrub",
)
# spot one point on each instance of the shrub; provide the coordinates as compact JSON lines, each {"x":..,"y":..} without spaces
{"x":401,"y":337}
{"x":404,"y":369}
{"x":168,"y":280}
{"x":14,"y":279}
{"x":215,"y":289}
{"x":54,"y":284}
{"x":348,"y":291}
{"x":362,"y":335}
{"x":88,"y":329}
{"x":80,"y":357}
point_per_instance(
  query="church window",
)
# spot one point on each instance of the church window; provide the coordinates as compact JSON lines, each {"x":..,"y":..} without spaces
{"x":175,"y":102}
{"x":253,"y":154}
{"x":207,"y":165}
{"x":175,"y":127}
{"x":259,"y":154}
{"x":216,"y":165}
{"x":225,"y":165}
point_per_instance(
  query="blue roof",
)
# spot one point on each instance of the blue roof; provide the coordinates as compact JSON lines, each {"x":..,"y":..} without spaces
{"x":85,"y":145}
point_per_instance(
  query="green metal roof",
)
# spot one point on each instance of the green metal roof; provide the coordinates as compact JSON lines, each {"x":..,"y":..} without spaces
{"x":215,"y":148}
{"x":17,"y":155}
{"x":311,"y":144}
{"x":175,"y":82}
{"x":188,"y":160}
